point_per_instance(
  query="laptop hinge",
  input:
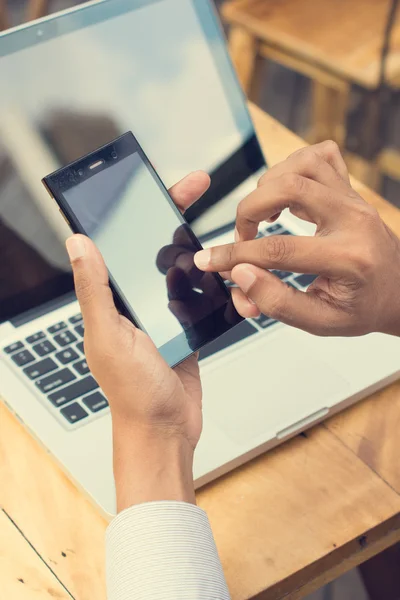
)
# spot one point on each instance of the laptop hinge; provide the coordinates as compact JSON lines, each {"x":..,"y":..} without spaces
{"x":43,"y":309}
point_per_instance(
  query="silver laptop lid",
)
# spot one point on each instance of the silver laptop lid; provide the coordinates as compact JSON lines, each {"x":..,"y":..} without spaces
{"x":74,"y":81}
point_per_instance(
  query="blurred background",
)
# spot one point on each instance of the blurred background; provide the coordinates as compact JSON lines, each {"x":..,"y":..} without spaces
{"x":325,"y":69}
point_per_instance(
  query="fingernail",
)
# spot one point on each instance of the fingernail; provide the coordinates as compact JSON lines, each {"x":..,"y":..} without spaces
{"x":244,"y":278}
{"x":75,"y":248}
{"x":236,"y":236}
{"x":202,"y":259}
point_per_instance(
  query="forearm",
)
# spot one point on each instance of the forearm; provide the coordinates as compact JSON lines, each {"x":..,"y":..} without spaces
{"x":161,"y":545}
{"x":150,"y":468}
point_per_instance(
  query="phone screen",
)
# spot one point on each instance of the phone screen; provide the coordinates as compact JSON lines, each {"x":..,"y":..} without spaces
{"x":148,"y":248}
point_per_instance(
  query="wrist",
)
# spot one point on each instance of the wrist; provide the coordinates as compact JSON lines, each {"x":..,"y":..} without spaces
{"x":150,"y":466}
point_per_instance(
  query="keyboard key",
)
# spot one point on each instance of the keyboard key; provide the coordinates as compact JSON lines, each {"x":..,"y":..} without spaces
{"x":80,"y":330}
{"x":81,"y":367}
{"x":74,"y":412}
{"x":231,"y":337}
{"x":285,"y":232}
{"x":79,"y":388}
{"x":32,"y":339}
{"x":66,"y":356}
{"x":282,"y":274}
{"x":65,"y":338}
{"x":80,"y":347}
{"x":273,"y":228}
{"x":44,"y":348}
{"x":57,"y":327}
{"x":305,"y":280}
{"x":23,"y":358}
{"x":13,"y":347}
{"x":75,"y":319}
{"x":259,"y":235}
{"x":40,"y":368}
{"x":264,"y":321}
{"x":51,"y":382}
{"x":95,"y":402}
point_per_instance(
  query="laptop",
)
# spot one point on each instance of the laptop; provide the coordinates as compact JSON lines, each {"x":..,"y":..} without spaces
{"x":72,"y":82}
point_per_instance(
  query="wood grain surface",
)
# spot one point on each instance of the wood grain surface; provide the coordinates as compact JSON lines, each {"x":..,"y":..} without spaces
{"x":23,"y":575}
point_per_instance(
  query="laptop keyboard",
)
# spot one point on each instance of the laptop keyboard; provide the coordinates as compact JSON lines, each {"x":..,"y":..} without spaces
{"x":54,"y":360}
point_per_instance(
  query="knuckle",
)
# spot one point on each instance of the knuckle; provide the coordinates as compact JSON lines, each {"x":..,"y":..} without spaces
{"x":362,"y":261}
{"x":365,"y":214}
{"x":276,"y":307}
{"x":370,"y":212}
{"x":227,"y":256}
{"x":242,"y":210}
{"x":292,"y":184}
{"x":330,"y":149}
{"x":242,"y":214}
{"x":276,"y":249}
{"x":84,"y":289}
{"x":273,"y":303}
{"x":309,"y":160}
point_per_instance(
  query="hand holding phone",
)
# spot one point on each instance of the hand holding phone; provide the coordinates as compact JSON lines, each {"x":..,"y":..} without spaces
{"x":114,"y":196}
{"x":153,"y":407}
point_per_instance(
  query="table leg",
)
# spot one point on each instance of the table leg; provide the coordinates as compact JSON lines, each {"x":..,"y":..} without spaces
{"x":3,"y":15}
{"x":37,"y":9}
{"x":243,"y":50}
{"x":329,"y":113}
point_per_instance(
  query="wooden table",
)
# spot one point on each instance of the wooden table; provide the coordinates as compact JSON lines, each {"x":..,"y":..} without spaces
{"x":285,"y":523}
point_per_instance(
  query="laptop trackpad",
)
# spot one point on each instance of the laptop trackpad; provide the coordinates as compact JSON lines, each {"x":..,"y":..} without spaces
{"x":270,"y":389}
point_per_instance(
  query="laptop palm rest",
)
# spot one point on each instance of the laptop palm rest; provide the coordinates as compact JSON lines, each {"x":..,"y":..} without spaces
{"x":259,"y":397}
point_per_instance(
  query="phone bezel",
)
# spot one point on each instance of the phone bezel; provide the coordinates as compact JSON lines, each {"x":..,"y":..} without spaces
{"x":207,"y":329}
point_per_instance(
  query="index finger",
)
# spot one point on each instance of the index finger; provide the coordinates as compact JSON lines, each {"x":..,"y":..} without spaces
{"x":296,"y":254}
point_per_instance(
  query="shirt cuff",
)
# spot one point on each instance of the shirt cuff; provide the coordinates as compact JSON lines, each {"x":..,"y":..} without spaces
{"x":163,"y":551}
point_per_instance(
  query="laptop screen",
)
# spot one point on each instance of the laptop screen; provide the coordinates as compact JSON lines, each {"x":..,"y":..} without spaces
{"x":78,"y":80}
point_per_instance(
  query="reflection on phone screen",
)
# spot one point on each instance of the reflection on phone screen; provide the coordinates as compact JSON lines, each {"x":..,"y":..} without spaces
{"x":147,"y":248}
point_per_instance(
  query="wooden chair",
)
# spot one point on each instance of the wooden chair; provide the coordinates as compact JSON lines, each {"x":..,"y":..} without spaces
{"x":35,"y":10}
{"x":336,"y":43}
{"x":3,"y":15}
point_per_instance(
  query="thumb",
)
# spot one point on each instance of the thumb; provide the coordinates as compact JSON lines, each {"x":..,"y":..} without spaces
{"x":91,"y":283}
{"x":284,"y":303}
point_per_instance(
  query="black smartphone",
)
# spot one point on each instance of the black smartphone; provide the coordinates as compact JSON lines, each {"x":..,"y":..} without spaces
{"x":114,"y":196}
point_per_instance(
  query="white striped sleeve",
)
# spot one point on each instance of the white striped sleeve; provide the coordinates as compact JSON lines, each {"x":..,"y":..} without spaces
{"x":163,"y":551}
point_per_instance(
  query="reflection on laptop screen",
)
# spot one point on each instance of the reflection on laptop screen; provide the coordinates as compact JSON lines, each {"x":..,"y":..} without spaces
{"x":76,"y":81}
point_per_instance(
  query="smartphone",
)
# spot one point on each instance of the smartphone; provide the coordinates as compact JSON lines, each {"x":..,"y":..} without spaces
{"x":114,"y":196}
